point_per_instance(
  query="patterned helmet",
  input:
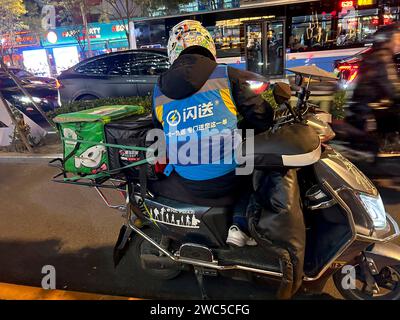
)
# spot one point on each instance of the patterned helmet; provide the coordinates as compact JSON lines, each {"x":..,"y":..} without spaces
{"x":187,"y":34}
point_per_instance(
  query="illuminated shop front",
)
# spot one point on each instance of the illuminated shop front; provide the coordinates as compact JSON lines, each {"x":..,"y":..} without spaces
{"x":267,"y":36}
{"x":68,"y":45}
{"x":36,"y":61}
{"x":264,"y":36}
{"x":12,"y":48}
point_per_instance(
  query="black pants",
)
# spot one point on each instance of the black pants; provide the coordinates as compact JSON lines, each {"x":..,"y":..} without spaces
{"x":276,"y":221}
{"x":220,"y":192}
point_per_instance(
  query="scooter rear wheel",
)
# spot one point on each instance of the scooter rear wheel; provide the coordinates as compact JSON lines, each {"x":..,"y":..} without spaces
{"x":141,"y":246}
{"x":388,"y":281}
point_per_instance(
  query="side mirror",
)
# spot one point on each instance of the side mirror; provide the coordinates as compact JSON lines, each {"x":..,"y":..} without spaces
{"x":298,"y":80}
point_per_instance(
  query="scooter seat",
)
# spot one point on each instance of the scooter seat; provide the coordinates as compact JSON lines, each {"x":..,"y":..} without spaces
{"x":172,"y":188}
{"x":292,"y":146}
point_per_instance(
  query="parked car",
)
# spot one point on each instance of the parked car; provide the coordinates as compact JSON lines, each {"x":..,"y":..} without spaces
{"x":44,"y":95}
{"x":28,"y":76}
{"x":118,"y":74}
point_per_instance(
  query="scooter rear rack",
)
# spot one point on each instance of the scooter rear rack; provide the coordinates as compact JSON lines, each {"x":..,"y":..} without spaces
{"x":109,"y":183}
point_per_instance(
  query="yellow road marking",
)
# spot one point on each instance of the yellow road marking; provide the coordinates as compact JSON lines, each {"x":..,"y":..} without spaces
{"x":17,"y":292}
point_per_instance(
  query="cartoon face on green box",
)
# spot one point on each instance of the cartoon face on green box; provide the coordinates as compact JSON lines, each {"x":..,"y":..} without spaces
{"x":84,"y":157}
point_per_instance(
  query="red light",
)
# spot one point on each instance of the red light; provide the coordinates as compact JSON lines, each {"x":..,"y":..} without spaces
{"x":353,"y":76}
{"x":347,"y":4}
{"x":258,"y":87}
{"x":387,"y":21}
{"x":342,"y":68}
{"x":349,"y":72}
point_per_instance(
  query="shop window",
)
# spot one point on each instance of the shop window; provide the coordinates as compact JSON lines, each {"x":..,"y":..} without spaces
{"x":151,"y":34}
{"x":227,"y":38}
{"x":158,"y":35}
{"x":96,"y":67}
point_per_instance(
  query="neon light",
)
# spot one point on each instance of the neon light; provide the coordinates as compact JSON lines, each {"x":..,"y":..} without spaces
{"x":347,"y":4}
{"x":352,"y":72}
{"x":353,"y":76}
{"x":365,"y":2}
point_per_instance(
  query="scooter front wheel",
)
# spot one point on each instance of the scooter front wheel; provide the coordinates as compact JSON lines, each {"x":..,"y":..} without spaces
{"x":141,"y":247}
{"x":387,"y":285}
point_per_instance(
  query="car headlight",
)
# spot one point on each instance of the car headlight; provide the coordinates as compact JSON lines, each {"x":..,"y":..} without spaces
{"x":25,"y":99}
{"x":376,"y":210}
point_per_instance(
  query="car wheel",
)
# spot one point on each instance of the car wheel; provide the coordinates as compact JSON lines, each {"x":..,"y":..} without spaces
{"x":87,"y":97}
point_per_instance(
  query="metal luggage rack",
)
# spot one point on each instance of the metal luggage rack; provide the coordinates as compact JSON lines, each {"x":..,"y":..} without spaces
{"x":102,"y":182}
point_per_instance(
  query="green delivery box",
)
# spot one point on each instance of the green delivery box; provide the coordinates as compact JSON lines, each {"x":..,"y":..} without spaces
{"x":83,"y":137}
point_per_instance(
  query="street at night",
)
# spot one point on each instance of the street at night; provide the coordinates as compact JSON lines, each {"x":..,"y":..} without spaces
{"x":191,"y":158}
{"x":45,"y":223}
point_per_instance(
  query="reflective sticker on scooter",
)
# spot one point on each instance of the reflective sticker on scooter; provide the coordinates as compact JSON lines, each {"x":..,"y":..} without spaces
{"x":176,"y":218}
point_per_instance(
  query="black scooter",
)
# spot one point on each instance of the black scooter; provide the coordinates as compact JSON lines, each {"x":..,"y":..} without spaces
{"x":349,"y":233}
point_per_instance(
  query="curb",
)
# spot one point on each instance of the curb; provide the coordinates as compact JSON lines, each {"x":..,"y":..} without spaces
{"x":19,"y":292}
{"x":23,"y":159}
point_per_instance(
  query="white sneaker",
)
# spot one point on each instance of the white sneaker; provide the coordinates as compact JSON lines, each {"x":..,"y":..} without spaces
{"x":238,"y":238}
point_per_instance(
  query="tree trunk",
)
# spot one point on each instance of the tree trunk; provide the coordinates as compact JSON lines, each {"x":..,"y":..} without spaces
{"x":22,"y":135}
{"x":85,"y":24}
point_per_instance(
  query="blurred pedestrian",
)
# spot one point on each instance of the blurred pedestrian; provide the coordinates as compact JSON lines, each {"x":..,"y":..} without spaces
{"x":376,"y":96}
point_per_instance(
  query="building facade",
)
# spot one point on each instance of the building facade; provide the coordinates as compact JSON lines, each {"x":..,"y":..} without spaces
{"x":264,"y":36}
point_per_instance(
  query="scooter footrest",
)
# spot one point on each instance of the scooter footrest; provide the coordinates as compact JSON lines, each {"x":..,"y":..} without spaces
{"x":254,"y":257}
{"x":196,"y":252}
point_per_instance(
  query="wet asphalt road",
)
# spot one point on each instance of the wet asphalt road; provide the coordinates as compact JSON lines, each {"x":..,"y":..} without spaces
{"x":44,"y":223}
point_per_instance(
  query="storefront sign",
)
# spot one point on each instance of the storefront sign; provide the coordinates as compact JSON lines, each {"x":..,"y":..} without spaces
{"x":97,"y":32}
{"x":119,"y":28}
{"x":73,"y":33}
{"x":21,"y":39}
{"x":347,"y":4}
{"x":366,"y":2}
